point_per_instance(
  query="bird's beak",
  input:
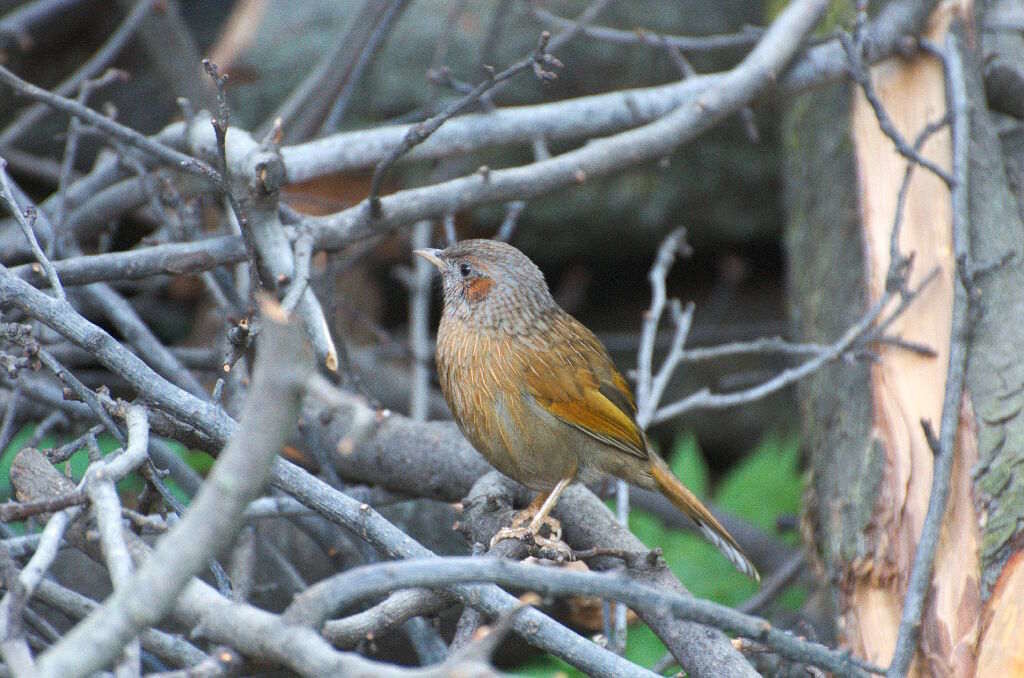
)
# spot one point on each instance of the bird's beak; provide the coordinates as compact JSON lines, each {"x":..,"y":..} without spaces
{"x":433,"y":256}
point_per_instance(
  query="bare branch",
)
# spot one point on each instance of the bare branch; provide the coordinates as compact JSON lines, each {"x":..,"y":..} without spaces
{"x":392,"y":611}
{"x":924,"y":555}
{"x":863,"y":329}
{"x":114,"y":129}
{"x":347,"y":588}
{"x":416,"y":135}
{"x":863,"y":78}
{"x":236,"y":478}
{"x":90,"y":69}
{"x":733,"y":91}
{"x":26,"y":219}
{"x":419,"y":317}
{"x":745,"y":37}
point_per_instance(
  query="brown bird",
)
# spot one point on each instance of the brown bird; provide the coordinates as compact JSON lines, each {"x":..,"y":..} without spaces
{"x":536,"y":392}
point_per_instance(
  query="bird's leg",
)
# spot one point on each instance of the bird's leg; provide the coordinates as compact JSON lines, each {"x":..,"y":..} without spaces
{"x":546,"y":505}
{"x":525,"y":517}
{"x":537,"y":513}
{"x":522,"y":522}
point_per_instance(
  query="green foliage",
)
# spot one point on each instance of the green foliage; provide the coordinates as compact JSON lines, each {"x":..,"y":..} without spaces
{"x":642,"y":647}
{"x":688,"y":464}
{"x":766,"y":485}
{"x":839,"y":14}
{"x":130,"y":486}
{"x":201,"y":462}
{"x":12,"y":449}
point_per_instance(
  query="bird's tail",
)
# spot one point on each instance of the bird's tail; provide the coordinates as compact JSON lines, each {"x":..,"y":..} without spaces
{"x":712,"y":530}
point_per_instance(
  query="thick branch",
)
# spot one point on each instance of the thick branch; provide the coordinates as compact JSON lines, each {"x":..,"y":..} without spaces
{"x":236,"y":479}
{"x":356,"y":584}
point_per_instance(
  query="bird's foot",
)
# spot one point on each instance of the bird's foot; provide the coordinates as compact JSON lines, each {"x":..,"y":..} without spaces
{"x":522,"y":528}
{"x":525,"y":522}
{"x":552,"y":549}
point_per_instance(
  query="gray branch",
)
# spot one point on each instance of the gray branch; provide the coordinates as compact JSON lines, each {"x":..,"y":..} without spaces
{"x":236,"y":479}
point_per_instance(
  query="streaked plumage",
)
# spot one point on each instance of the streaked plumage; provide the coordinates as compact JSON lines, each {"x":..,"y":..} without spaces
{"x":535,"y":391}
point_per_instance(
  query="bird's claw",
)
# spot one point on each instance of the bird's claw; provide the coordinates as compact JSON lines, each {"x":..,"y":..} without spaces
{"x":553,"y":549}
{"x":551,"y":546}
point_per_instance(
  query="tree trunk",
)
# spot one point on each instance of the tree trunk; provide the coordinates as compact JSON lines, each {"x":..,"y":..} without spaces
{"x":871,"y":462}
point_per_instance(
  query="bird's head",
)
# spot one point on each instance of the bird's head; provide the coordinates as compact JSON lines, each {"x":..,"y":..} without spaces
{"x":490,"y":284}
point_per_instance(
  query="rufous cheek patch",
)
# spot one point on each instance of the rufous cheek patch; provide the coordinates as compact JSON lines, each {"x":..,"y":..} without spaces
{"x":479,"y":288}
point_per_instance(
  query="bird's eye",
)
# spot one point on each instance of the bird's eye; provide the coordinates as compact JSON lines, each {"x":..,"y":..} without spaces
{"x":465,"y":270}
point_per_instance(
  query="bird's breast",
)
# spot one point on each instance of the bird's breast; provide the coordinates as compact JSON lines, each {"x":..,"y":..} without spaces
{"x":482,"y":376}
{"x":478,"y":381}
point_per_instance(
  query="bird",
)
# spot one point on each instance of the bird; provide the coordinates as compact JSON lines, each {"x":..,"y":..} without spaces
{"x":536,"y":393}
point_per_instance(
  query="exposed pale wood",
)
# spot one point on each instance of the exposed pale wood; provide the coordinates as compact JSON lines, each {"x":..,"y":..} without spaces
{"x":908,"y":388}
{"x":1002,"y":653}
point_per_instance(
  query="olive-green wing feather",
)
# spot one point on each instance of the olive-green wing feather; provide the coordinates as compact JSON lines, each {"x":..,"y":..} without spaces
{"x":576,"y":381}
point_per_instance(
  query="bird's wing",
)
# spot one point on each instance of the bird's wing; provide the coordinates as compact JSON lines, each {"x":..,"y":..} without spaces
{"x":574,"y":379}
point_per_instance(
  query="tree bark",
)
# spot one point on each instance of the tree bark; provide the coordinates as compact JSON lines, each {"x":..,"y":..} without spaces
{"x":871,"y":461}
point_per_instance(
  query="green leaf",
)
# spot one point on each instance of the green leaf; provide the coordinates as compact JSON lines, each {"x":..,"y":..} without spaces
{"x":10,"y":452}
{"x":545,"y":666}
{"x":765,"y":485}
{"x":201,"y":462}
{"x":647,"y":528}
{"x":642,"y":648}
{"x":79,"y":461}
{"x":688,"y":464}
{"x":704,"y":570}
{"x":793,"y":598}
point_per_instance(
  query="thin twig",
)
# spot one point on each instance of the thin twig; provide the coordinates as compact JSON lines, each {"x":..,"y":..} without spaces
{"x":26,"y":219}
{"x":116,"y":130}
{"x":513,"y":209}
{"x":759,"y":345}
{"x":389,"y":613}
{"x":745,"y":37}
{"x":75,"y":128}
{"x":898,"y":263}
{"x":538,"y":61}
{"x":419,"y":319}
{"x":924,"y":555}
{"x":63,"y":452}
{"x":90,"y":69}
{"x":381,"y":29}
{"x":704,"y":398}
{"x":220,"y":123}
{"x":82,"y":391}
{"x":673,"y":243}
{"x":862,"y":76}
{"x":774,"y":584}
{"x":650,"y":388}
{"x":10,"y":414}
{"x":12,"y":511}
{"x":347,"y":588}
